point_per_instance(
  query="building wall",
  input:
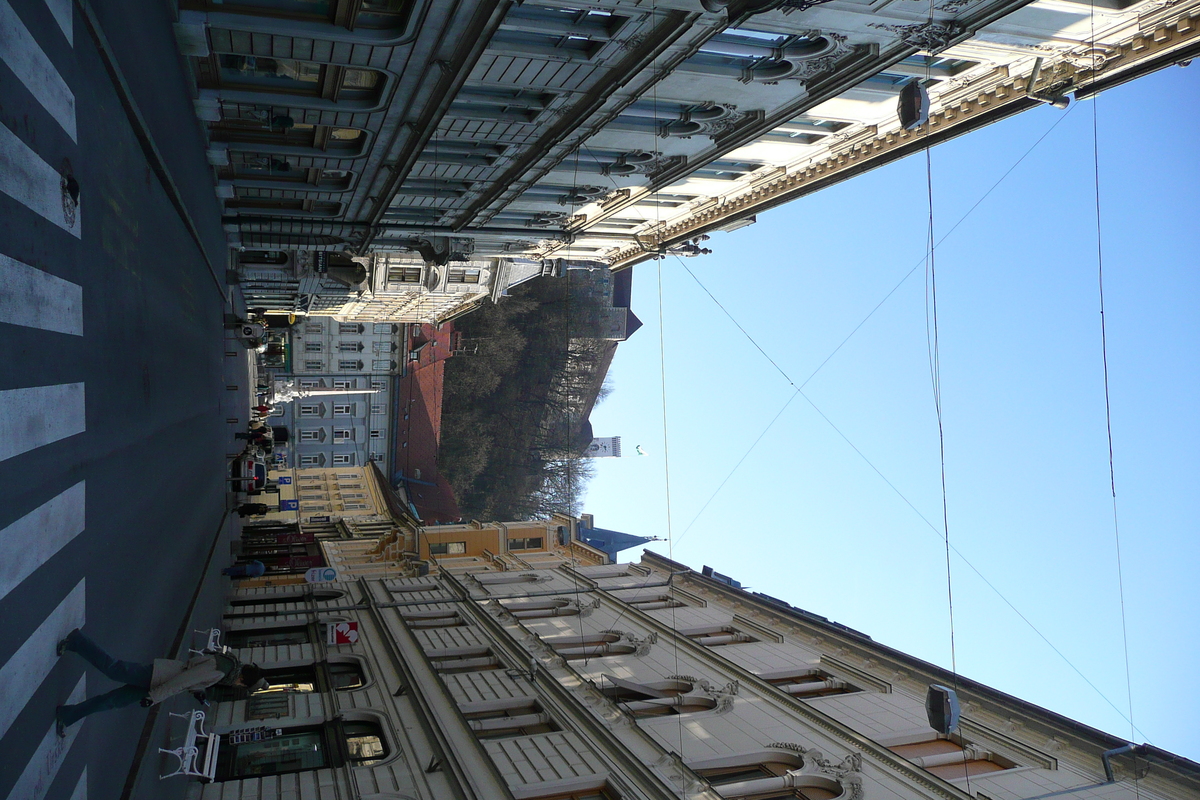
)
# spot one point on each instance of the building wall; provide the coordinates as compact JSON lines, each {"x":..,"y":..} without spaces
{"x":540,"y":684}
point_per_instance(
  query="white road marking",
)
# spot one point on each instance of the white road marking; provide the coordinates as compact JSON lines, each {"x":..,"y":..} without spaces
{"x":22,"y":674}
{"x":36,"y":299}
{"x":80,"y":792}
{"x":33,"y":183}
{"x":39,"y":773}
{"x":39,"y":415}
{"x":34,"y":539}
{"x":64,"y":14}
{"x":33,"y":68}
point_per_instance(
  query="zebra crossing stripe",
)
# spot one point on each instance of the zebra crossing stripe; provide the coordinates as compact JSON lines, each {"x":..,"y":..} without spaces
{"x":64,"y":15}
{"x":80,"y":792}
{"x":20,"y":51}
{"x":39,"y":773}
{"x":22,"y":674}
{"x":36,"y":299}
{"x":36,"y":416}
{"x":33,"y":183}
{"x":34,"y":539}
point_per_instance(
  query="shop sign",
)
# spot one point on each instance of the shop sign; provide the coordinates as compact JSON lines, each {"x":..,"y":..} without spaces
{"x":320,"y":575}
{"x":341,"y":633}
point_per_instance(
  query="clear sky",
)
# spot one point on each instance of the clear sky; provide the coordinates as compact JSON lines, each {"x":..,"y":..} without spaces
{"x":806,"y":519}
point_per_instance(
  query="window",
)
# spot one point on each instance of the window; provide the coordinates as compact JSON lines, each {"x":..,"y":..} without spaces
{"x":378,"y":408}
{"x":379,"y":385}
{"x":315,"y":506}
{"x":311,"y":364}
{"x":310,"y":383}
{"x":333,"y":744}
{"x":352,"y":495}
{"x":537,"y":609}
{"x":312,"y":347}
{"x":347,"y":364}
{"x":307,"y":478}
{"x":464,"y":275}
{"x":343,"y":459}
{"x":657,"y":699}
{"x":312,"y":327}
{"x":513,"y":716}
{"x":343,"y":409}
{"x":807,"y":683}
{"x":349,"y":327}
{"x":403,"y":275}
{"x":590,"y":646}
{"x":383,"y":347}
{"x":312,"y":460}
{"x":383,"y":327}
{"x":349,"y":347}
{"x":310,"y":436}
{"x":267,"y":637}
{"x":447,"y":548}
{"x":654,"y":603}
{"x":717,"y":636}
{"x":376,"y":434}
{"x":285,"y":597}
{"x":432,"y":619}
{"x":462,"y":659}
{"x":346,"y":476}
{"x":348,"y":485}
{"x":258,"y":73}
{"x":342,"y":435}
{"x":345,"y":383}
{"x":530,"y":543}
{"x":382,"y":366}
{"x":310,"y":410}
{"x":948,"y":759}
{"x":355,"y":506}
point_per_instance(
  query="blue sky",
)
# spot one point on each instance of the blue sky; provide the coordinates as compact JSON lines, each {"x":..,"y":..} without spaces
{"x":806,"y":519}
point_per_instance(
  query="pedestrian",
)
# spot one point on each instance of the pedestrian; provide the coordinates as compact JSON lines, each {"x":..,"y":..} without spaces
{"x":254,"y":569}
{"x":253,"y":509}
{"x":150,"y":684}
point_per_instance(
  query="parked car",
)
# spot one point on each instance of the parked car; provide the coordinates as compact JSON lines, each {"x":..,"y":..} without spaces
{"x":248,"y":472}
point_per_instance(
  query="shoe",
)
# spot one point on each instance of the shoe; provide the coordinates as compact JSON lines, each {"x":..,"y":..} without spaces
{"x":60,"y":727}
{"x":64,"y":643}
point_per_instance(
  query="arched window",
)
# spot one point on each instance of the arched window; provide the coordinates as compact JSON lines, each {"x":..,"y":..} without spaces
{"x":334,"y":744}
{"x":655,"y":603}
{"x":950,"y":760}
{"x":717,"y":635}
{"x":765,"y":775}
{"x":540,"y":609}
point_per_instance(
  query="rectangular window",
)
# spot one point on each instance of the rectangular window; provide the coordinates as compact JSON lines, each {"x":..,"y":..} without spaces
{"x":530,"y":543}
{"x":312,"y":347}
{"x":352,"y":495}
{"x":343,"y":409}
{"x":343,"y":459}
{"x":310,"y":436}
{"x":378,"y":409}
{"x":464,"y":275}
{"x":314,"y":365}
{"x":311,"y":460}
{"x":356,"y":506}
{"x":311,"y":478}
{"x":349,"y":327}
{"x":310,"y":410}
{"x":350,"y":364}
{"x":381,"y":366}
{"x":312,"y":327}
{"x":342,"y":434}
{"x":349,"y":347}
{"x":345,"y":383}
{"x":346,"y":476}
{"x":376,"y":456}
{"x":267,"y":637}
{"x":382,"y":327}
{"x":404,"y":275}
{"x":342,"y":486}
{"x":383,"y":347}
{"x":447,"y":548}
{"x":376,"y":434}
{"x":379,"y":385}
{"x":463,"y":659}
{"x":310,"y":383}
{"x":314,"y":506}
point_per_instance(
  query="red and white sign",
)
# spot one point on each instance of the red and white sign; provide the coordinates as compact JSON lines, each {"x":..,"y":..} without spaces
{"x":341,"y":633}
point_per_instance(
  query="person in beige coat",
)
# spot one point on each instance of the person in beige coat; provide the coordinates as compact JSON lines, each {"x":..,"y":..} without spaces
{"x":151,"y":683}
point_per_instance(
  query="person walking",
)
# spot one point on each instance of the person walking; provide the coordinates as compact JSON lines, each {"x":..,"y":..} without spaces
{"x":150,"y":684}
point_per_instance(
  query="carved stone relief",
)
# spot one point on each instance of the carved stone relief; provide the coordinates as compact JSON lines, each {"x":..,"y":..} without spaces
{"x":932,"y":37}
{"x":710,"y":119}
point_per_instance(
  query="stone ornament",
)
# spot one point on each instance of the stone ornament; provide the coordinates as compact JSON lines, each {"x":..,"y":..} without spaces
{"x":932,"y":37}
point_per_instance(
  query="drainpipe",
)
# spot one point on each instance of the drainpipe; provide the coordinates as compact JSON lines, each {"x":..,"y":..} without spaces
{"x":1107,"y":755}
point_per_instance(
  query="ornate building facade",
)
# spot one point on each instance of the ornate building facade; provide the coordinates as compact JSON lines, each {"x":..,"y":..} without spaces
{"x":477,"y":137}
{"x":516,"y":661}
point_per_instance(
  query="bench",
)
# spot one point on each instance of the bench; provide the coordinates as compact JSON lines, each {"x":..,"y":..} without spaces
{"x":188,"y":754}
{"x":213,"y":644}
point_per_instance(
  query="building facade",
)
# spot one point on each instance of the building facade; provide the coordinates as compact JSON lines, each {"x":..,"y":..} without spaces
{"x":465,"y":136}
{"x":516,"y":661}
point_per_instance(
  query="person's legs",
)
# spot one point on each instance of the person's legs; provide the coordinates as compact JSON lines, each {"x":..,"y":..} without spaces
{"x":128,"y":672}
{"x":118,"y":698}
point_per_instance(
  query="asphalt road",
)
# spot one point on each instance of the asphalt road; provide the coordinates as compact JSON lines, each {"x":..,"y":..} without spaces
{"x":113,"y":375}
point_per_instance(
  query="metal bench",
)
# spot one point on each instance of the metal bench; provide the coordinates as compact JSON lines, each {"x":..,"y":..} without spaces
{"x":188,"y":753}
{"x":213,"y":644}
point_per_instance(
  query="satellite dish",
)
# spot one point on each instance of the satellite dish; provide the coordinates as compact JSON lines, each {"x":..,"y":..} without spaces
{"x":913,"y":105}
{"x":941,"y":704}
